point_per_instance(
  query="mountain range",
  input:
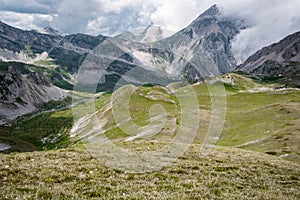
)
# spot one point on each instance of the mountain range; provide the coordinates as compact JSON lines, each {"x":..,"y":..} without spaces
{"x":199,"y":51}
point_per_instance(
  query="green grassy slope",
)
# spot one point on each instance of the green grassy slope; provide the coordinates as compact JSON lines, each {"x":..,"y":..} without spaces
{"x":258,"y":118}
{"x":42,"y":131}
{"x":227,"y":173}
{"x":48,"y":128}
{"x":264,"y":120}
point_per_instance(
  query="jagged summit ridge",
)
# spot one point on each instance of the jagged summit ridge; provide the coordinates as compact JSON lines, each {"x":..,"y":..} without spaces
{"x":212,"y":11}
{"x":51,"y":31}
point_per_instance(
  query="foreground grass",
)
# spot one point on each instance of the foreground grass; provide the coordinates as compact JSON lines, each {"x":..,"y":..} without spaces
{"x":227,"y":173}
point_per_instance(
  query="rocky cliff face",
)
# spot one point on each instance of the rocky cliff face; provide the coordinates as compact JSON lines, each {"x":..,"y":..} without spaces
{"x":22,"y":94}
{"x":279,"y":61}
{"x":206,"y":44}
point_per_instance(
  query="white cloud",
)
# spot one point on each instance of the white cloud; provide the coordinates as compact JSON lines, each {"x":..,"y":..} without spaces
{"x":29,"y":6}
{"x":25,"y":20}
{"x":175,"y":15}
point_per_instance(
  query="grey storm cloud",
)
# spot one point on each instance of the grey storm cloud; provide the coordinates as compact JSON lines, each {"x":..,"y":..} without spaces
{"x":87,"y":16}
{"x":30,"y":6}
{"x":99,"y":16}
{"x":73,"y":16}
{"x":268,"y":20}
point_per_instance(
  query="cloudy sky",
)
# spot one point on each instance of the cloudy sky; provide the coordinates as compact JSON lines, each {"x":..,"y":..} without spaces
{"x":269,"y":20}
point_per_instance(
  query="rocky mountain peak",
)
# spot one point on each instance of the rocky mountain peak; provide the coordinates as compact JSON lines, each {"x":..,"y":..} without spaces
{"x":208,"y":39}
{"x":152,"y":33}
{"x":212,"y":11}
{"x":52,"y":31}
{"x":206,"y":18}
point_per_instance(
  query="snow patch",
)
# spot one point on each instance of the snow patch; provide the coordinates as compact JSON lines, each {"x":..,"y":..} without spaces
{"x":4,"y":146}
{"x":253,"y":142}
{"x":283,"y":156}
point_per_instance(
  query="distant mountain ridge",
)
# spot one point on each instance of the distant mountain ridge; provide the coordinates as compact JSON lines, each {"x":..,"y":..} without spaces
{"x":73,"y":48}
{"x":52,"y":31}
{"x":152,"y":33}
{"x":279,"y":61}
